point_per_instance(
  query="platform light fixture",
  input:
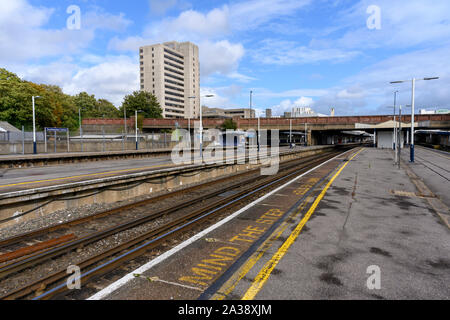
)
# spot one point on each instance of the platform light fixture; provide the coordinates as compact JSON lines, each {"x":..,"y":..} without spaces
{"x":34,"y":124}
{"x":201,"y":122}
{"x":136,"y":120}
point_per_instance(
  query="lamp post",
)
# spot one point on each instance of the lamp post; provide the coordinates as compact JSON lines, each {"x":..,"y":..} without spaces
{"x":413,"y":81}
{"x":251,"y":102}
{"x":125,"y":120}
{"x":189,"y":121}
{"x":290,"y":133}
{"x":306,"y":134}
{"x":34,"y":124}
{"x":259,"y":130}
{"x":395,"y":123}
{"x":399,"y":145}
{"x":81,"y":128}
{"x":394,"y":137}
{"x":201,"y":122}
{"x":136,"y":120}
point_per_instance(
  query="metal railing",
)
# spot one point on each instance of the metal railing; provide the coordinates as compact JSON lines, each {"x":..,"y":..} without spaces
{"x":61,"y":142}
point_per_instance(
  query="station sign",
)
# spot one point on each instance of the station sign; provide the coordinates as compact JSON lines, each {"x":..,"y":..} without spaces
{"x":56,"y":129}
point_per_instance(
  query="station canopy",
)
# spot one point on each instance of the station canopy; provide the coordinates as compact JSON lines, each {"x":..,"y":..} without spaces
{"x":385,"y":125}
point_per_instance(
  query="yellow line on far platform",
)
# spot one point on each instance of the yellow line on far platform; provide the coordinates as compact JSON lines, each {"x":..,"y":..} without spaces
{"x":264,"y":274}
{"x":85,"y":175}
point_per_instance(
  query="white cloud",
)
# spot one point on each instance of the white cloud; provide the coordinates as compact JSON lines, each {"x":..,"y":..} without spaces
{"x":278,"y":52}
{"x":241,"y":77}
{"x":161,"y":6}
{"x":58,"y":72}
{"x":351,"y":93}
{"x":24,"y":35}
{"x":249,"y":15}
{"x":261,"y":92}
{"x":287,"y":105}
{"x":105,"y":21}
{"x":220,"y":57}
{"x":370,"y":90}
{"x":208,"y":30}
{"x":190,"y":23}
{"x":218,"y":101}
{"x":129,"y":44}
{"x":216,"y":57}
{"x":404,"y":24}
{"x":112,"y":79}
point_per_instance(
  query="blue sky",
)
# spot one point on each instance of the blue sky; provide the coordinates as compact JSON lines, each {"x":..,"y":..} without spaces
{"x":314,"y":53}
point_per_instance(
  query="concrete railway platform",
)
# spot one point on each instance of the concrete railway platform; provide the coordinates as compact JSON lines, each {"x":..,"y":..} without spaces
{"x":75,"y":167}
{"x":34,"y":192}
{"x":355,"y":227}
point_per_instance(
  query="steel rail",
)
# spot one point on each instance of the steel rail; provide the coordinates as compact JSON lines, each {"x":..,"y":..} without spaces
{"x":65,"y":225}
{"x":180,"y":225}
{"x":45,"y":255}
{"x":185,"y":222}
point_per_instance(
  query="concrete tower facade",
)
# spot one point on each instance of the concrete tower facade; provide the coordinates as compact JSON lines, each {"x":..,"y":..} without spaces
{"x":171,"y":71}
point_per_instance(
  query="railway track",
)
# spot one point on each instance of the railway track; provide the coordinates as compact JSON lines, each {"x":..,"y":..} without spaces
{"x":439,"y":170}
{"x":183,"y":217}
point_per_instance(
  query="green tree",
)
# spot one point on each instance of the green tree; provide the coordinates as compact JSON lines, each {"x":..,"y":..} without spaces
{"x":16,"y":102}
{"x":93,"y":108}
{"x":64,"y":109}
{"x":54,"y":108}
{"x":106,"y":108}
{"x":229,"y":124}
{"x":142,"y":101}
{"x":87,"y":103}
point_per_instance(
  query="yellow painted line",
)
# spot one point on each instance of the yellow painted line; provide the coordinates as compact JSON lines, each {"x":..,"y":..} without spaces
{"x":90,"y":175}
{"x":86,"y":175}
{"x":229,"y":286}
{"x":264,"y":274}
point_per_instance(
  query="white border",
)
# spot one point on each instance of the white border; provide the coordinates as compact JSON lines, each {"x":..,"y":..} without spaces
{"x":121,"y":282}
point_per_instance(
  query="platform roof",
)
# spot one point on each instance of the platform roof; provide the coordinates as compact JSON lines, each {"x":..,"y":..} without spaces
{"x":385,"y":125}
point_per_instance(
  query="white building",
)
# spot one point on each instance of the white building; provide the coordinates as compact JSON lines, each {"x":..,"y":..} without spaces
{"x":300,"y":112}
{"x":171,"y":71}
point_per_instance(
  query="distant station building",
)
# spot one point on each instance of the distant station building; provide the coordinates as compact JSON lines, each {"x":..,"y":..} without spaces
{"x":171,"y":71}
{"x":6,"y":127}
{"x":303,"y":112}
{"x":384,"y":133}
{"x":243,"y":113}
{"x":437,"y":139}
{"x":440,"y":111}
